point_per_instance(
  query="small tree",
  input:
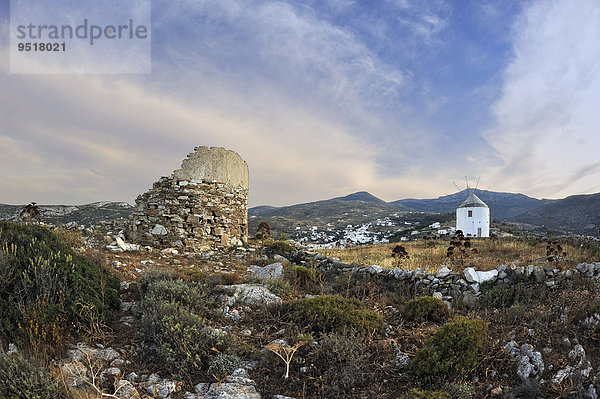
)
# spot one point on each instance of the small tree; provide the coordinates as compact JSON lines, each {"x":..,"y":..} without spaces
{"x":400,"y":254}
{"x":30,"y":213}
{"x":263,"y":231}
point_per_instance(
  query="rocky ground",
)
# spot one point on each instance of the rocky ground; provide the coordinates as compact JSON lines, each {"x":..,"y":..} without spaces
{"x":542,"y":328}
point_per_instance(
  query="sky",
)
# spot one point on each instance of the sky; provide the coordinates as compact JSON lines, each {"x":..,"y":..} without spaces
{"x":322,"y":98}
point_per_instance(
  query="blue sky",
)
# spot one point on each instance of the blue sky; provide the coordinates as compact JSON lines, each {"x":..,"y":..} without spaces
{"x":322,"y":98}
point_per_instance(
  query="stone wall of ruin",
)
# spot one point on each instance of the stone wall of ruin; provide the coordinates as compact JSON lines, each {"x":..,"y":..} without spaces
{"x":203,"y":205}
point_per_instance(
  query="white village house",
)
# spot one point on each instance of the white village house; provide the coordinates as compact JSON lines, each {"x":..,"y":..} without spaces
{"x":473,"y":217}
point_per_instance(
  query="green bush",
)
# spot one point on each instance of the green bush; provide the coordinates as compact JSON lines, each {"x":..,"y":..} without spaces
{"x":174,"y":336}
{"x":426,"y":308}
{"x":46,"y":286}
{"x":302,"y":276}
{"x":280,"y":288}
{"x":24,"y":378}
{"x":341,"y":362}
{"x":328,"y":313}
{"x":191,"y":295}
{"x":222,"y":365}
{"x":280,"y":248}
{"x":454,"y":348}
{"x":419,"y":394}
{"x":151,"y":276}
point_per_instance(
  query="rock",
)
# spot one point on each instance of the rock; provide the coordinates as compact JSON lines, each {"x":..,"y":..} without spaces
{"x":251,"y":294}
{"x":473,"y":276}
{"x":375,"y":269}
{"x":170,"y":251}
{"x":83,"y":351}
{"x":562,"y":374}
{"x":470,"y":300}
{"x":269,"y":272}
{"x":470,"y":275}
{"x":201,"y":388}
{"x":159,"y":229}
{"x":496,"y":391}
{"x":539,"y":274}
{"x":162,"y":388}
{"x":438,"y":295}
{"x":230,"y":390}
{"x":396,"y":273}
{"x":121,"y":244}
{"x":126,"y":390}
{"x":75,"y":374}
{"x":443,"y":272}
{"x":279,"y":258}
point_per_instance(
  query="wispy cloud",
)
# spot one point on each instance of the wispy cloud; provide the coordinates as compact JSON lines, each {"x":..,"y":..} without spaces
{"x":547,"y":119}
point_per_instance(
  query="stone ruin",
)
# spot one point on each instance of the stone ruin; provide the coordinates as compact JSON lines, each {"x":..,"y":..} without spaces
{"x":202,"y":205}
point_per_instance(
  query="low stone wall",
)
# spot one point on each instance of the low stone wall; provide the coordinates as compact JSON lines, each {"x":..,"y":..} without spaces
{"x":195,"y":214}
{"x":449,"y":285}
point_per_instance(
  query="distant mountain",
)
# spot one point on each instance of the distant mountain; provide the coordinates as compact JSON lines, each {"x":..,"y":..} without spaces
{"x":359,"y":203}
{"x":503,"y":206}
{"x":88,"y":214}
{"x":361,"y":196}
{"x":579,"y":214}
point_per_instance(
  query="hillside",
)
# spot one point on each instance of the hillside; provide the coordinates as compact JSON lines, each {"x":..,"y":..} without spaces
{"x":503,"y":206}
{"x":88,"y":214}
{"x":358,"y":218}
{"x":579,"y":214}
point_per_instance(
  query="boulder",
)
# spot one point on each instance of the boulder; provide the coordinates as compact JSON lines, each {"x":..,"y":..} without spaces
{"x":269,"y":272}
{"x":249,"y":294}
{"x":474,"y":276}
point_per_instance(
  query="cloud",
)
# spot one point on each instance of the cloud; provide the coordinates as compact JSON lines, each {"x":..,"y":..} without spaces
{"x":546,"y":118}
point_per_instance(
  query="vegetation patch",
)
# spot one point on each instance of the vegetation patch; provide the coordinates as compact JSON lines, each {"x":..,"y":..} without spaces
{"x":175,"y":336}
{"x":453,"y":350}
{"x":327,"y":313}
{"x":21,"y":377}
{"x":280,"y":248}
{"x":46,"y":287}
{"x":419,"y":394}
{"x":426,"y":308}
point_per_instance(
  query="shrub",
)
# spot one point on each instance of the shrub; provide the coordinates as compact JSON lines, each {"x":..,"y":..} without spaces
{"x":174,"y":335}
{"x":153,"y":275}
{"x":426,"y":308}
{"x":21,"y":377}
{"x":302,"y":275}
{"x":49,"y":287}
{"x":454,"y":348}
{"x":191,"y":295}
{"x":342,"y":363}
{"x":280,"y":248}
{"x":280,"y":287}
{"x":328,"y":313}
{"x":419,"y":394}
{"x":222,"y":365}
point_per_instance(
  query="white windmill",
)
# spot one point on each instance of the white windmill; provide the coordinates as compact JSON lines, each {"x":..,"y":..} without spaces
{"x":473,"y":216}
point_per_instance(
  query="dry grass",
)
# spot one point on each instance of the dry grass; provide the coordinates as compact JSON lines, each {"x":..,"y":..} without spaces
{"x":431,"y":255}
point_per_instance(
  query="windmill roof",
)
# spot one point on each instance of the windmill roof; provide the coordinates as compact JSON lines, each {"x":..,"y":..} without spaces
{"x":473,"y":201}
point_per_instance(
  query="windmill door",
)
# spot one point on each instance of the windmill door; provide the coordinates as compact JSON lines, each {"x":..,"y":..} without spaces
{"x":479,"y":232}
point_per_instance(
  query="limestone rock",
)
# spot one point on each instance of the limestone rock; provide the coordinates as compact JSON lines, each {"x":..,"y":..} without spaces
{"x":269,"y":272}
{"x":250,"y":294}
{"x":159,"y":229}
